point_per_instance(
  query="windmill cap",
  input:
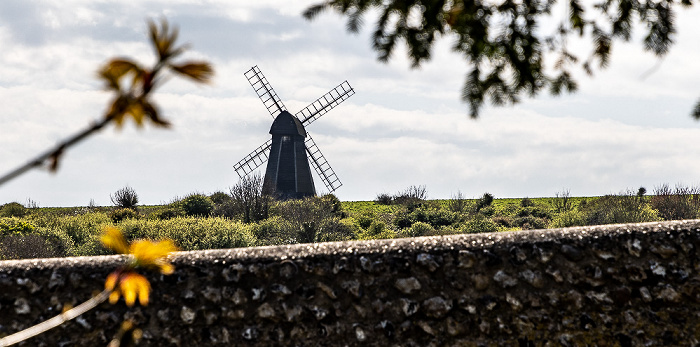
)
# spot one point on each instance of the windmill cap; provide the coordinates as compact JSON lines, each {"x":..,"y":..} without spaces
{"x":286,"y":124}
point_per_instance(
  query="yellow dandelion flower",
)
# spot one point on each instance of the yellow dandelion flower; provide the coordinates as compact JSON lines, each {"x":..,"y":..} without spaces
{"x":114,"y":240}
{"x":130,"y":285}
{"x":153,"y":254}
{"x":125,"y":281}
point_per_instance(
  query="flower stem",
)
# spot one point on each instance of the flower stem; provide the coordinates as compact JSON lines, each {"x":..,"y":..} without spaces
{"x":55,"y":321}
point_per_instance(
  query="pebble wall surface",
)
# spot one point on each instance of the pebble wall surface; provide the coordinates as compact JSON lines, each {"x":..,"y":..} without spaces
{"x":615,"y":285}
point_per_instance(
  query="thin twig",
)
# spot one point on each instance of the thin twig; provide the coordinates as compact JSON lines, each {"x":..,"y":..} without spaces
{"x":55,"y":321}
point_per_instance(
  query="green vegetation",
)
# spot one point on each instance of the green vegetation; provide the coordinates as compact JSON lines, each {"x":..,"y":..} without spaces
{"x":222,"y":220}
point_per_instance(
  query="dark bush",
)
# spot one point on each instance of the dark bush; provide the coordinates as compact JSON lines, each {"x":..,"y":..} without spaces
{"x":412,"y":197}
{"x":376,"y":228}
{"x":250,"y":204}
{"x":402,"y":220}
{"x":383,"y":199}
{"x":336,"y":229}
{"x":121,"y":214}
{"x":220,"y":198}
{"x":197,"y":205}
{"x":25,"y":247}
{"x":227,"y":209}
{"x":534,"y":211}
{"x":503,"y":221}
{"x":334,"y":205}
{"x":13,"y":209}
{"x":364,"y":221}
{"x":169,"y":212}
{"x":531,"y":222}
{"x":485,"y":201}
{"x":125,"y":198}
{"x":562,"y":202}
{"x":487,"y":211}
{"x":526,"y":202}
{"x":674,"y":204}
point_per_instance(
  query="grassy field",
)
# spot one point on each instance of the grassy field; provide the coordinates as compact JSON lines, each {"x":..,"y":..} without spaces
{"x":222,"y":222}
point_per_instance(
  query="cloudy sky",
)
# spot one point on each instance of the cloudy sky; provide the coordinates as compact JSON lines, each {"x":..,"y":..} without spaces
{"x":627,"y":127}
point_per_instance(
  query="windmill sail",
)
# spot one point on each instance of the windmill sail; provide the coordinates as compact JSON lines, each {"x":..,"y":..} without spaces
{"x":325,"y":103}
{"x":253,"y":160}
{"x":320,"y":164}
{"x":265,"y":92}
{"x":291,"y":152}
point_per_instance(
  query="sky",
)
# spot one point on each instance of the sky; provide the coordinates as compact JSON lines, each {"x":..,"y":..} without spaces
{"x":628,"y":126}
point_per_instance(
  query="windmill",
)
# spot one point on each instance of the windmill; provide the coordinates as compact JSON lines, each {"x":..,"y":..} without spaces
{"x":291,"y":148}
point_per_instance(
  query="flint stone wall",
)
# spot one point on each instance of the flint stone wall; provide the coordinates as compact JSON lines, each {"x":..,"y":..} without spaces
{"x":617,"y":285}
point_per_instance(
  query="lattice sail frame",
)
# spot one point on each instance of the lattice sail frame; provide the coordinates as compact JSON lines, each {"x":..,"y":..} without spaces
{"x":267,"y":95}
{"x":320,"y":164}
{"x":307,"y":115}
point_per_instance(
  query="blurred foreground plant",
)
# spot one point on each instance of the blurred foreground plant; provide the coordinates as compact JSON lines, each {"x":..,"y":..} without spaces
{"x":132,"y":86}
{"x":124,"y":281}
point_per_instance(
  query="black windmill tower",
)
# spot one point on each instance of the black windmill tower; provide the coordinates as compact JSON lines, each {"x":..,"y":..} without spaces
{"x":288,"y":153}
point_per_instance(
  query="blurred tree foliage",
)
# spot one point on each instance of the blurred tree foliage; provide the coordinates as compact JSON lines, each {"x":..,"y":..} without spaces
{"x":501,"y":40}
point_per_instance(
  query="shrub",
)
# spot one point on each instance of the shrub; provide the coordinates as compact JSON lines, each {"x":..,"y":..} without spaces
{"x":485,"y":201}
{"x":197,"y":205}
{"x":13,"y":209}
{"x":220,"y":198}
{"x":226,"y":209}
{"x":364,"y":220}
{"x":526,"y":202}
{"x":412,"y":197}
{"x":190,"y":233}
{"x":503,"y":221}
{"x":250,"y":204}
{"x":458,"y":203}
{"x":125,"y":198}
{"x":333,"y":204}
{"x":41,"y":243}
{"x":24,"y":247}
{"x":383,"y":199}
{"x":679,"y":203}
{"x":623,"y":208}
{"x":534,"y":211}
{"x":83,"y":230}
{"x":376,"y":228}
{"x":336,"y":229}
{"x":169,"y":212}
{"x":275,"y":231}
{"x":487,"y":211}
{"x":530,"y":222}
{"x":568,"y":219}
{"x":562,"y":202}
{"x":15,"y":226}
{"x":420,"y":229}
{"x":479,"y":225}
{"x":402,"y":220}
{"x":120,"y":214}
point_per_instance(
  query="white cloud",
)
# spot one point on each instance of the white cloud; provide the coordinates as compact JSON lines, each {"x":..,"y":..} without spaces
{"x":403,"y":127}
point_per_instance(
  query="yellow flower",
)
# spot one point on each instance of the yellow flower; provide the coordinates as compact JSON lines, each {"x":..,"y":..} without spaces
{"x":114,"y":240}
{"x":130,"y":285}
{"x":148,"y":254}
{"x":152,"y":254}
